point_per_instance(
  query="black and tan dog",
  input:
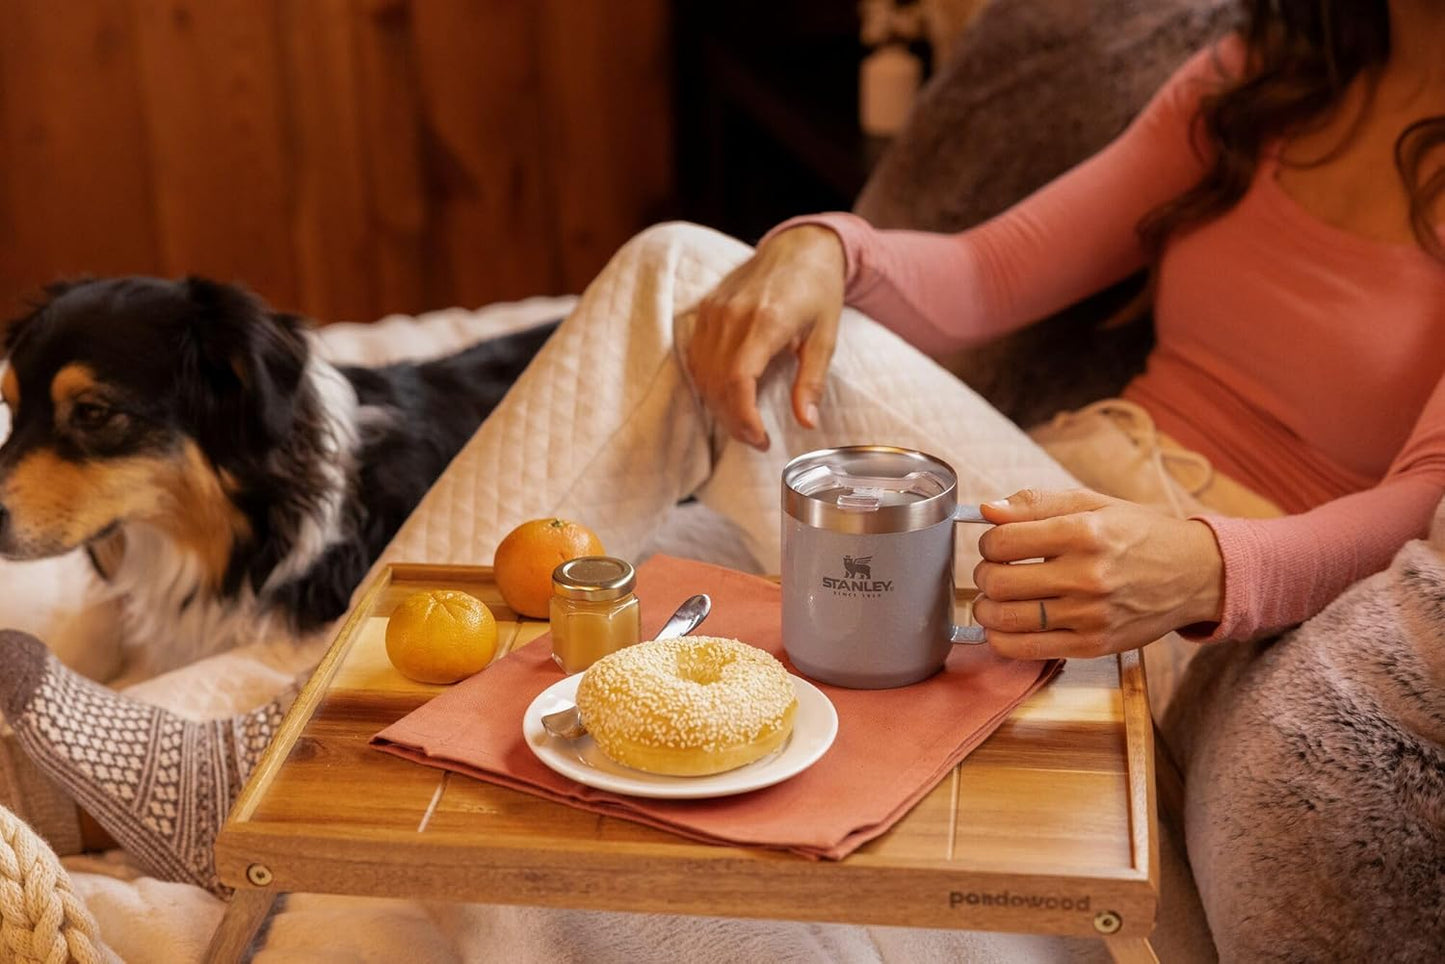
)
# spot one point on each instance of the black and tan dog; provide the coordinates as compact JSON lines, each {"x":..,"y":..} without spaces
{"x":223,"y":477}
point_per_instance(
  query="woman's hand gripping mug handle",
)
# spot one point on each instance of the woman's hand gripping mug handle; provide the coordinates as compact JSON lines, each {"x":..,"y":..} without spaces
{"x":1077,"y":574}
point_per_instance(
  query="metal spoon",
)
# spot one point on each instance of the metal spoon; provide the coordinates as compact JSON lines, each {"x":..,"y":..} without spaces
{"x":567,"y":724}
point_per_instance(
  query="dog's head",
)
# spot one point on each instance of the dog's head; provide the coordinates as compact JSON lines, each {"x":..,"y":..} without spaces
{"x":138,"y":399}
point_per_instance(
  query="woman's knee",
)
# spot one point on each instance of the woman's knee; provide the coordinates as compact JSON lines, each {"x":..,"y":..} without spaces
{"x":672,"y":241}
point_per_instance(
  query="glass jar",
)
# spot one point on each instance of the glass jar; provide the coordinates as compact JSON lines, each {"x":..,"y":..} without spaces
{"x":593,"y":610}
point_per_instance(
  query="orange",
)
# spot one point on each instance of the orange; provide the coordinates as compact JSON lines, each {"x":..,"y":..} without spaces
{"x":524,"y":561}
{"x":441,"y":636}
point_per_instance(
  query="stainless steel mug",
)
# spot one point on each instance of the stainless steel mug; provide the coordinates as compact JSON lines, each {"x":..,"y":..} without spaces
{"x":867,"y":574}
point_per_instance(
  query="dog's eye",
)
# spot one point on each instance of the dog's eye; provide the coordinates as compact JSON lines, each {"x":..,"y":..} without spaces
{"x":90,"y":415}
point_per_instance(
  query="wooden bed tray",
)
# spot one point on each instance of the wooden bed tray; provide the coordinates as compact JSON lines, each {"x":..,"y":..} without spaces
{"x":1048,"y":827}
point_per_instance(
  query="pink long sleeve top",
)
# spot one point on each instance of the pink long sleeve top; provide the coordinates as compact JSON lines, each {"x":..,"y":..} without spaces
{"x":1305,"y":361}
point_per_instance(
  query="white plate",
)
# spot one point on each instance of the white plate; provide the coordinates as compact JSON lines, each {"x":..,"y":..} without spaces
{"x":814,"y":727}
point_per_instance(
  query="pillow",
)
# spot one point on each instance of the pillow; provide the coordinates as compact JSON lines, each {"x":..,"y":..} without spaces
{"x":1032,"y":88}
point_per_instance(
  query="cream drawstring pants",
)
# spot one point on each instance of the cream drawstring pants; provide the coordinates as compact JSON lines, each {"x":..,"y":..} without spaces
{"x":604,"y":427}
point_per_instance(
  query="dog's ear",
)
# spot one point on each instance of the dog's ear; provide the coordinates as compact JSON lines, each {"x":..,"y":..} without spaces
{"x":244,"y":365}
{"x":11,"y":330}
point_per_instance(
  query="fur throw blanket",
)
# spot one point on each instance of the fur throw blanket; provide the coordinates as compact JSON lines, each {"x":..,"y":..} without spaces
{"x":1031,"y":88}
{"x":1315,"y":776}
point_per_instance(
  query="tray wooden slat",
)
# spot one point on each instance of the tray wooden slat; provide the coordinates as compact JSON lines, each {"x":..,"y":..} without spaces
{"x":1047,"y":823}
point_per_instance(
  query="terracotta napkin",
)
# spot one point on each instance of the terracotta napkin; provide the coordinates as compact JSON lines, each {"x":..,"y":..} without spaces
{"x":892,"y":747}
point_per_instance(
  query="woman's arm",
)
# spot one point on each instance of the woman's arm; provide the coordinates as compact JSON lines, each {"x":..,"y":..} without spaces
{"x":1118,"y":575}
{"x":1073,"y":237}
{"x":1278,"y":572}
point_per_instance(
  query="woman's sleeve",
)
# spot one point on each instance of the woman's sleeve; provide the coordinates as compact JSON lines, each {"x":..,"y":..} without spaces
{"x":1073,"y":237}
{"x":1279,"y":572}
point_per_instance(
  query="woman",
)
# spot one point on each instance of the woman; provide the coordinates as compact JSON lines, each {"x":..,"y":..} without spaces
{"x":1283,"y":184}
{"x":1283,"y":243}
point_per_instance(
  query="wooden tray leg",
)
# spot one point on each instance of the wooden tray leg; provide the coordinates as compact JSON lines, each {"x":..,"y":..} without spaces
{"x":248,"y":908}
{"x":1131,"y":950}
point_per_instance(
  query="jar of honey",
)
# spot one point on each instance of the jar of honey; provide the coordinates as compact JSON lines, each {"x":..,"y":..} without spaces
{"x":593,"y":610}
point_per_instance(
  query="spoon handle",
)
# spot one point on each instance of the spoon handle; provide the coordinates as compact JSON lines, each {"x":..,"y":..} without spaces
{"x":688,"y":617}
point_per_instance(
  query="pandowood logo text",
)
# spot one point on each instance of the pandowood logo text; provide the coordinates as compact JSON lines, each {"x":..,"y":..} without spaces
{"x":962,"y":898}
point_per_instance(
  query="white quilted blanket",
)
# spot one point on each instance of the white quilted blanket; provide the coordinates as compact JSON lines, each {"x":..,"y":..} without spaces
{"x":146,"y":920}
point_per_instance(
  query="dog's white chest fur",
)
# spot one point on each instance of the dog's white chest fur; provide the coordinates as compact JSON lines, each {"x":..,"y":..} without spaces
{"x":171,"y":616}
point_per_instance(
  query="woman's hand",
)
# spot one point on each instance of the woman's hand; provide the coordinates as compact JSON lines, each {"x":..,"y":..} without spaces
{"x":1115,"y":575}
{"x":789,"y":294}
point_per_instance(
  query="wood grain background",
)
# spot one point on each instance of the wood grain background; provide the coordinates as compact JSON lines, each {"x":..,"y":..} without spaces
{"x":344,"y":158}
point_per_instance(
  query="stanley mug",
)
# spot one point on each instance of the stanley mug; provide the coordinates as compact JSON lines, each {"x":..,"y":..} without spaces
{"x":867,"y":573}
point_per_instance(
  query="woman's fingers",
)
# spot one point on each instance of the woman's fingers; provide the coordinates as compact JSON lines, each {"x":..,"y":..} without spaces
{"x":1046,"y":628}
{"x":1069,"y":576}
{"x":1028,"y":504}
{"x":1044,"y":539}
{"x":738,"y":409}
{"x":728,"y":364}
{"x":1040,"y":615}
{"x":814,"y":356}
{"x":1055,"y":644}
{"x":723,"y":358}
{"x":733,"y":341}
{"x":765,"y":333}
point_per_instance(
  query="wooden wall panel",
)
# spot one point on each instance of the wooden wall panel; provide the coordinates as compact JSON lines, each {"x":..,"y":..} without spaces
{"x":606,"y":71}
{"x":344,"y":158}
{"x":397,"y":206}
{"x":330,"y":226}
{"x":75,"y":193}
{"x":479,"y":70}
{"x":210,"y":81}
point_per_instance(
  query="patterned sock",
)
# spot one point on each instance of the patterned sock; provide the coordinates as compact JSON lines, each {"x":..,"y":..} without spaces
{"x":159,"y":784}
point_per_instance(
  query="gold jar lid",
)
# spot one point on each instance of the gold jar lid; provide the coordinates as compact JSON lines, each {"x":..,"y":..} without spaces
{"x":594,"y":578}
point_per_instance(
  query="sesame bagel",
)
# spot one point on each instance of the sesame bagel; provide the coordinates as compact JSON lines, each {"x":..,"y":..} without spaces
{"x":688,"y":706}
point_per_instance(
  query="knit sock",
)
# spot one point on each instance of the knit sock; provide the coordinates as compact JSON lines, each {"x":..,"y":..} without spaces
{"x":159,"y":784}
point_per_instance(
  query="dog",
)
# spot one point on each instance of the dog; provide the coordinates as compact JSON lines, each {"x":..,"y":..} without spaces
{"x":228,"y":482}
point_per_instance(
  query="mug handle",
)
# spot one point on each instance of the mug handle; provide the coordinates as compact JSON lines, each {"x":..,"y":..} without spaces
{"x":968,"y":635}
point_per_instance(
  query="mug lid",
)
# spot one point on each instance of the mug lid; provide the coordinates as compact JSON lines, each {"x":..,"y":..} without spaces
{"x":897,"y":489}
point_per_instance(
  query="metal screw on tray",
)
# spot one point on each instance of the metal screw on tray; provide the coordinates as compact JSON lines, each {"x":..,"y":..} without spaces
{"x":567,"y":724}
{"x":1107,"y":922}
